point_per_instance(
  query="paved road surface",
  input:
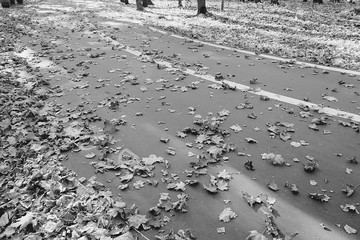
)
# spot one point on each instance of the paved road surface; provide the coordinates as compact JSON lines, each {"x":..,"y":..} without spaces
{"x":91,"y":48}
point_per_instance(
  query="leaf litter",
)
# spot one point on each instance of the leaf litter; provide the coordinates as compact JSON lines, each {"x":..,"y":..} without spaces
{"x":138,"y":221}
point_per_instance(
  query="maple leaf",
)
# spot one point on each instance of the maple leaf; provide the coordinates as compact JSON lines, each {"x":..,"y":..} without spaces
{"x":210,"y":188}
{"x":224,"y":113}
{"x":201,"y":138}
{"x":236,"y":128}
{"x":181,"y":203}
{"x":138,"y":184}
{"x":24,"y":221}
{"x":250,"y":199}
{"x":227,"y":214}
{"x":255,"y":235}
{"x":222,"y":185}
{"x":127,"y":177}
{"x":214,"y":151}
{"x":224,"y":175}
{"x":136,"y":221}
{"x":125,"y":236}
{"x":152,"y":159}
{"x":180,"y":186}
{"x":181,"y":134}
{"x":217,"y":139}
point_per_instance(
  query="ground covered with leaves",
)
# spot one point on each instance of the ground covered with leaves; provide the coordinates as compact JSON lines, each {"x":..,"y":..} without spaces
{"x":326,"y":34}
{"x":42,"y":199}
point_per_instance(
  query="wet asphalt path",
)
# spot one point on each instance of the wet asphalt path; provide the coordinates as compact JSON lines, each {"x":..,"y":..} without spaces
{"x":90,"y":70}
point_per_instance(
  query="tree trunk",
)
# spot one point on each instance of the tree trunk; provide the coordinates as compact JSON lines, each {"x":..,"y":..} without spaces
{"x":274,"y":2}
{"x":125,"y":1}
{"x":145,"y":3}
{"x":201,"y":6}
{"x":318,"y":1}
{"x":180,"y":4}
{"x":222,"y":5}
{"x":139,"y":5}
{"x":149,"y":2}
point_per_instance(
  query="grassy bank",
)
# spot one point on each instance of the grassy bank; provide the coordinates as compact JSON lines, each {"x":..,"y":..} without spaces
{"x":327,"y":34}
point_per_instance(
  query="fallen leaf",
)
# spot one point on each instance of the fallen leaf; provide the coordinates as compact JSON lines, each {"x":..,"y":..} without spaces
{"x":222,"y":185}
{"x":137,"y":220}
{"x":215,"y":151}
{"x":236,"y":128}
{"x":255,"y":235}
{"x":220,"y":230}
{"x":350,"y":230}
{"x":250,"y":199}
{"x":295,"y":144}
{"x":313,"y":182}
{"x":319,"y":197}
{"x":90,"y":155}
{"x":24,"y":221}
{"x":125,"y":236}
{"x":224,"y":175}
{"x":349,"y":190}
{"x":227,"y":214}
{"x":251,"y":140}
{"x":210,"y":188}
{"x":330,"y":98}
{"x":273,"y":186}
{"x":152,"y":159}
{"x":349,"y":208}
{"x":276,"y":160}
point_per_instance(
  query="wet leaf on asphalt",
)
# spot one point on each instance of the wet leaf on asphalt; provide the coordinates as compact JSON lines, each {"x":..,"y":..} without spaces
{"x":255,"y":235}
{"x":319,"y":197}
{"x":251,"y":200}
{"x":227,"y":214}
{"x":222,"y":185}
{"x":275,"y":159}
{"x":350,"y":208}
{"x":220,"y":230}
{"x":90,"y":155}
{"x":224,"y":174}
{"x":211,"y":188}
{"x":350,"y":230}
{"x":251,"y":140}
{"x":349,"y":190}
{"x":293,"y":188}
{"x":273,"y":186}
{"x":136,"y":221}
{"x":249,"y":165}
{"x":236,"y":128}
{"x":152,"y":159}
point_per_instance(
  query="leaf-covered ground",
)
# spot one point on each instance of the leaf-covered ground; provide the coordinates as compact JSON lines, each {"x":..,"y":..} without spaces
{"x":326,"y":34}
{"x":42,"y":123}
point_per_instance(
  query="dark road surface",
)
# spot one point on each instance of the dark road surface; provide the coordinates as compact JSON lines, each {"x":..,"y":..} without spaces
{"x":91,"y":54}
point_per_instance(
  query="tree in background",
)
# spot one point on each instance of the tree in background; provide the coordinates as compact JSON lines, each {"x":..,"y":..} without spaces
{"x":139,"y":5}
{"x":201,"y":6}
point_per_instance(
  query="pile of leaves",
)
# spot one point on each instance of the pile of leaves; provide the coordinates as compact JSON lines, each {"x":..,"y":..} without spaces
{"x":41,"y":199}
